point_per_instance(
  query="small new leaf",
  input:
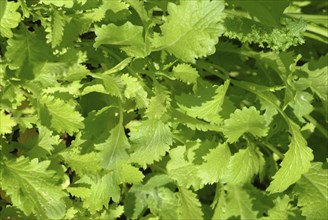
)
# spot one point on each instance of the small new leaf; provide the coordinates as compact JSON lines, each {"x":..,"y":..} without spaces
{"x":242,"y":121}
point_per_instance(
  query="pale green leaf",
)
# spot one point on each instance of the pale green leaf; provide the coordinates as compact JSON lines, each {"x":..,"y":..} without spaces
{"x":208,"y":110}
{"x":243,"y":165}
{"x":312,"y":191}
{"x":159,"y":103}
{"x":151,"y":140}
{"x":189,"y":205}
{"x":277,"y":38}
{"x":82,"y":164}
{"x":215,"y":164}
{"x":239,"y":203}
{"x":242,"y":121}
{"x":186,"y":73}
{"x":163,"y":203}
{"x":115,"y":5}
{"x":134,"y":89}
{"x":101,"y":191}
{"x":59,"y":115}
{"x":280,"y":210}
{"x":318,"y":75}
{"x":27,"y":48}
{"x":113,"y":150}
{"x":32,"y":188}
{"x":126,"y":173}
{"x":112,"y":85}
{"x":268,"y":12}
{"x":128,"y":36}
{"x":9,"y":18}
{"x":59,"y":3}
{"x":191,"y":30}
{"x":295,"y":163}
{"x":6,"y":123}
{"x":302,"y":104}
{"x":182,"y":170}
{"x":55,"y":27}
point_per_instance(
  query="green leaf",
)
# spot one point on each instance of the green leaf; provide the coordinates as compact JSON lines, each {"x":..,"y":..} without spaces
{"x":317,"y":74}
{"x":238,"y":203}
{"x":276,"y":38}
{"x":182,"y":170}
{"x":26,"y":47}
{"x":243,"y":165}
{"x":159,"y":103}
{"x":128,"y":36}
{"x":191,"y":30}
{"x":55,"y":27}
{"x":59,"y":3}
{"x":113,"y":150}
{"x":82,"y":164}
{"x":268,"y":12}
{"x":186,"y":73}
{"x":9,"y":18}
{"x":215,"y":164}
{"x":151,"y":140}
{"x":99,"y":194}
{"x":59,"y":115}
{"x":162,"y":203}
{"x":6,"y":123}
{"x":295,"y":163}
{"x":32,"y":188}
{"x":135,"y":90}
{"x":189,"y":205}
{"x":302,"y":104}
{"x":242,"y":121}
{"x":208,"y":110}
{"x":280,"y":210}
{"x":41,"y":142}
{"x":312,"y":191}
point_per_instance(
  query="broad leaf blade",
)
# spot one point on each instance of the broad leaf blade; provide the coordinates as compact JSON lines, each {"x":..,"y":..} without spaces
{"x":32,"y":189}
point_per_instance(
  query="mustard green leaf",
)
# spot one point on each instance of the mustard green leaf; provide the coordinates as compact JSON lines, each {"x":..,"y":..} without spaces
{"x":189,"y":205}
{"x":191,"y":30}
{"x":186,"y":73}
{"x":182,"y":170}
{"x":55,"y":27}
{"x":134,"y":89}
{"x":281,"y":209}
{"x":28,"y":50}
{"x":162,"y":202}
{"x":243,"y":165}
{"x":239,"y":203}
{"x":215,"y":164}
{"x":113,"y":150}
{"x":63,"y":117}
{"x":268,"y":12}
{"x":59,"y":3}
{"x":9,"y":18}
{"x":83,"y":164}
{"x":295,"y":163}
{"x":312,"y":191}
{"x":128,"y":36}
{"x":33,"y":188}
{"x":7,"y":122}
{"x":208,"y":110}
{"x":158,"y":104}
{"x":242,"y":121}
{"x":151,"y":139}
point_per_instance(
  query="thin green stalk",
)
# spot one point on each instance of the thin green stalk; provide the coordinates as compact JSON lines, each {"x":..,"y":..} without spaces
{"x":320,"y":128}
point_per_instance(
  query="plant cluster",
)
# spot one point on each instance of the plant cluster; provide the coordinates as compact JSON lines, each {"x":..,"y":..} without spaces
{"x":163,"y":109}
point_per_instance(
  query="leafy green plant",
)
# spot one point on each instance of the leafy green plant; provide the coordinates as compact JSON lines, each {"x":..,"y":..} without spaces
{"x":176,"y":109}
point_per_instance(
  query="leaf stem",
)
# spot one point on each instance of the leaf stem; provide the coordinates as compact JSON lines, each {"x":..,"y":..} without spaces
{"x":320,"y":128}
